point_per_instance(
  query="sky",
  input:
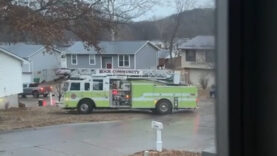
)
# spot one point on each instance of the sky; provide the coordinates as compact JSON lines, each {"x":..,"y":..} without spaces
{"x":168,"y":9}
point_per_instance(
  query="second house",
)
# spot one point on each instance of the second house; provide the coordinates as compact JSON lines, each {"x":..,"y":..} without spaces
{"x":112,"y":55}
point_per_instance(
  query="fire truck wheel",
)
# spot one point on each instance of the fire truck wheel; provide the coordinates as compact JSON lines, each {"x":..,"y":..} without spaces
{"x":164,"y":107}
{"x":84,"y":107}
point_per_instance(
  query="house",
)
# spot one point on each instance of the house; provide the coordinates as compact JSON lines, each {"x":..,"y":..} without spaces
{"x":10,"y":79}
{"x":112,"y":55}
{"x":40,"y":64}
{"x":197,"y":60}
{"x":26,"y":71}
{"x":164,"y":59}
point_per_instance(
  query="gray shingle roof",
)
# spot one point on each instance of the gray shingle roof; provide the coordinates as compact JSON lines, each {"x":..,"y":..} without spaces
{"x":11,"y":54}
{"x":199,"y":42}
{"x":107,"y":47}
{"x":21,"y":49}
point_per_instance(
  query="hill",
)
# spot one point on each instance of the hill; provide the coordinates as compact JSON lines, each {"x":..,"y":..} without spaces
{"x":194,"y":22}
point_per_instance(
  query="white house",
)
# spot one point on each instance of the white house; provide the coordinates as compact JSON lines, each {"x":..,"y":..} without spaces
{"x":41,"y":64}
{"x":10,"y":79}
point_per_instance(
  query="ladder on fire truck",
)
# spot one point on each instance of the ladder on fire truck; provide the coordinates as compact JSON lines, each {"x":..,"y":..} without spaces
{"x":165,"y":76}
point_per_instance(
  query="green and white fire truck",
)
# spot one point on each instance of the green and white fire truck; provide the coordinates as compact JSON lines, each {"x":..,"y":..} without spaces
{"x":128,"y":89}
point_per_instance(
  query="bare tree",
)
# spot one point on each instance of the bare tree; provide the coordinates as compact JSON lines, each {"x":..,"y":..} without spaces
{"x":169,"y":34}
{"x":122,"y":11}
{"x":46,"y":21}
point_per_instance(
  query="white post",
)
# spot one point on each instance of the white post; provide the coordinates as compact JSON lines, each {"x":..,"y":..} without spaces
{"x":159,"y":143}
{"x":51,"y":98}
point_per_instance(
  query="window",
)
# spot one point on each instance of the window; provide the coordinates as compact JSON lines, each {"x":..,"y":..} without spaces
{"x":91,"y":59}
{"x":87,"y":86}
{"x":33,"y":85}
{"x":97,"y":84}
{"x":24,"y":85}
{"x":209,"y":56}
{"x":191,"y":55}
{"x":74,"y":59}
{"x":75,"y":86}
{"x":123,"y":60}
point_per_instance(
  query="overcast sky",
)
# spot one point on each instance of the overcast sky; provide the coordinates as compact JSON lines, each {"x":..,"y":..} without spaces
{"x":168,"y":9}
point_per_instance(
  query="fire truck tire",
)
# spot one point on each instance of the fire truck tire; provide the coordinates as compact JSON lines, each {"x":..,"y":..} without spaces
{"x":85,"y":106}
{"x":164,"y":107}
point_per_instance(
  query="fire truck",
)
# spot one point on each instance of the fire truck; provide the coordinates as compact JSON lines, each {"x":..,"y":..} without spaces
{"x":157,"y":90}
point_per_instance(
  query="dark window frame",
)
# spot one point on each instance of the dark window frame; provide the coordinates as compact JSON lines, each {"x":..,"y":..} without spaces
{"x":87,"y":86}
{"x":98,"y":81}
{"x":191,"y":55}
{"x":74,"y":57}
{"x":124,"y":60}
{"x":75,"y":89}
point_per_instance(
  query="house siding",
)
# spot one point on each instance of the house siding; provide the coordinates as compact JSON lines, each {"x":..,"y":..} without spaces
{"x":193,"y":76}
{"x":10,"y":81}
{"x":147,"y":58}
{"x":199,"y":63}
{"x":45,"y":60}
{"x":194,"y":71}
{"x":83,"y":61}
{"x":26,"y":67}
{"x":26,"y":78}
{"x":44,"y":65}
{"x":115,"y":62}
{"x":10,"y":75}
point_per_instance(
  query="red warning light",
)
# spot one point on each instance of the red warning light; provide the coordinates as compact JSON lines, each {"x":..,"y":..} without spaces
{"x":114,"y":92}
{"x":44,"y":103}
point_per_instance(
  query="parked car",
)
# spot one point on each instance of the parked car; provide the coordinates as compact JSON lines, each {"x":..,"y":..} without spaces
{"x":35,"y":89}
{"x":213,"y":91}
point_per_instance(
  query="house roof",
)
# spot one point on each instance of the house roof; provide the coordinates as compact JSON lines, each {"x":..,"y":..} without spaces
{"x":23,"y":50}
{"x":163,"y":53}
{"x":108,"y":47}
{"x":199,"y":42}
{"x":11,"y":54}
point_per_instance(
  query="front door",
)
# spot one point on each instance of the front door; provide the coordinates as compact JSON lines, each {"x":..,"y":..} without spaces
{"x":107,"y":62}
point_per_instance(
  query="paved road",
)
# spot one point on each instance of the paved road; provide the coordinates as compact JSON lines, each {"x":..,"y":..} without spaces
{"x":192,"y":131}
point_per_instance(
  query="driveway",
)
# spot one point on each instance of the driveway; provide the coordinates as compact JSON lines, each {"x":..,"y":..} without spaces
{"x":187,"y":130}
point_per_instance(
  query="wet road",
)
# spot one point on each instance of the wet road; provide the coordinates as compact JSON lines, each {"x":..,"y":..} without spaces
{"x":188,"y":130}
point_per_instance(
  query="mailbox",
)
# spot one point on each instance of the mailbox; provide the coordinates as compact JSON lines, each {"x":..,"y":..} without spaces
{"x":157,"y":125}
